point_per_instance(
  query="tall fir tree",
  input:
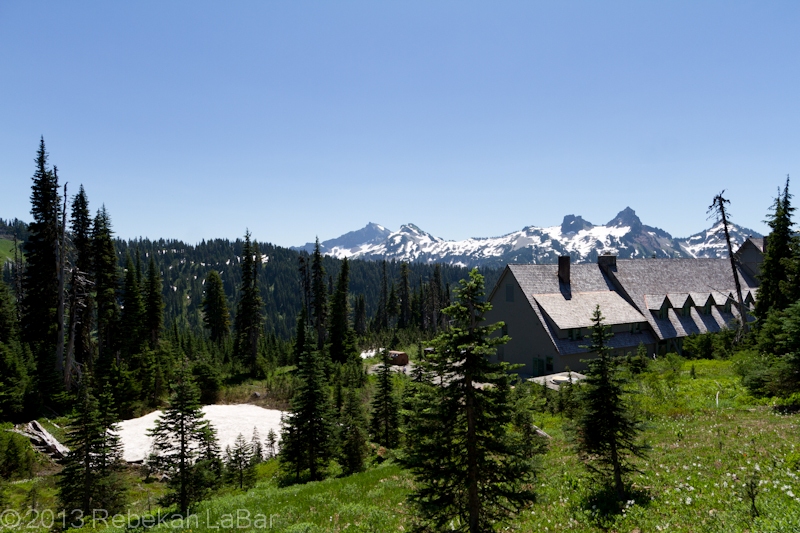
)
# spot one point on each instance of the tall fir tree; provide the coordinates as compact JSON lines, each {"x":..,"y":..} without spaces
{"x":82,"y":304}
{"x":339,"y":330}
{"x":404,"y":318}
{"x":40,"y":280}
{"x":382,"y":315}
{"x":301,"y":344}
{"x":307,"y":431}
{"x":154,"y":304}
{"x":179,"y":439}
{"x":470,"y":469}
{"x":249,"y":322}
{"x":777,"y":286}
{"x":319,"y":297}
{"x":360,"y":318}
{"x":106,"y":284}
{"x":607,"y":429}
{"x":133,"y":311}
{"x":216,"y":317}
{"x":385,"y":421}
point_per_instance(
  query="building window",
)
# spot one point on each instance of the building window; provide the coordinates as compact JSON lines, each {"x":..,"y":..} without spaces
{"x":549,"y":365}
{"x":504,"y":330}
{"x":636,"y":328}
{"x":707,"y":308}
{"x":509,"y":292}
{"x":501,"y":353}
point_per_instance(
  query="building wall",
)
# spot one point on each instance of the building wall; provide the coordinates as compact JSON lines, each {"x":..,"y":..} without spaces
{"x":529,"y":340}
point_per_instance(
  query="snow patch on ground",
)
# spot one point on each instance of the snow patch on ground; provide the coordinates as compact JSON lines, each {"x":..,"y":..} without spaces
{"x":229,"y":421}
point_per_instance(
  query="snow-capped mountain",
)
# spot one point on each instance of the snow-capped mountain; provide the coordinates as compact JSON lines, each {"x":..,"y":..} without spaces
{"x":351,"y":243}
{"x":624,"y":235}
{"x":711,"y":242}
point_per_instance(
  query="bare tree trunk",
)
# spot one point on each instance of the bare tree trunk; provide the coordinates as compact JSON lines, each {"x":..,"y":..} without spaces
{"x":719,"y":206}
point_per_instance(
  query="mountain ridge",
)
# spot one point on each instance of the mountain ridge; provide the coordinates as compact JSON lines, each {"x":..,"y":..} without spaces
{"x":625,"y":235}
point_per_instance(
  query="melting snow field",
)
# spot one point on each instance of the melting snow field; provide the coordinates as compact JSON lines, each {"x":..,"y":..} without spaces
{"x":229,"y":421}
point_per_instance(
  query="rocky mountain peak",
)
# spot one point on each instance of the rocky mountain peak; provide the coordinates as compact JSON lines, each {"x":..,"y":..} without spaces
{"x":626,"y":217}
{"x":574,"y":224}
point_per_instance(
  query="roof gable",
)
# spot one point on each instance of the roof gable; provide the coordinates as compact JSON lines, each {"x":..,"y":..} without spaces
{"x":577,"y":311}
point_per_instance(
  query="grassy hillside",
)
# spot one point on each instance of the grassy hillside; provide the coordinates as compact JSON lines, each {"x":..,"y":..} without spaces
{"x":708,"y":438}
{"x":6,"y":250}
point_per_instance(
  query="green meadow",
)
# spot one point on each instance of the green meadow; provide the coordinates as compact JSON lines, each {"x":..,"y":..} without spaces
{"x":714,"y":452}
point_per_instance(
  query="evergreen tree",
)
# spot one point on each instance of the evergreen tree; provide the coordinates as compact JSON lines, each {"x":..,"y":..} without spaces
{"x":360,"y":322}
{"x":392,"y":307}
{"x":467,"y":463}
{"x":257,"y":446}
{"x":239,"y":462}
{"x":607,"y":429}
{"x":404,"y":319}
{"x":133,"y":311}
{"x":300,"y":342}
{"x":339,"y":317}
{"x":272,"y":444}
{"x":352,"y":434}
{"x":319,"y":298}
{"x":216,"y":317}
{"x":82,"y":305}
{"x":384,"y":425}
{"x":381,"y":315}
{"x":776,"y":289}
{"x":180,"y":437}
{"x":307,"y":431}
{"x":105,"y":276}
{"x":40,"y":280}
{"x":91,"y":477}
{"x":249,"y":318}
{"x":154,"y":304}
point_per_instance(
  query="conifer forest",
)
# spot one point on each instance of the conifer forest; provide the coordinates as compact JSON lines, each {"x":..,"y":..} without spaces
{"x":96,"y":330}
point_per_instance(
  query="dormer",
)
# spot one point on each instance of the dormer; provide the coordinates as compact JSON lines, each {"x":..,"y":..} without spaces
{"x":659,"y":305}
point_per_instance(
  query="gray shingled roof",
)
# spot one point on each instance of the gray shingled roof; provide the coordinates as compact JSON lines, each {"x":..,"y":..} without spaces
{"x":647,"y":284}
{"x":646,"y":280}
{"x":576,"y":311}
{"x":541,"y":282}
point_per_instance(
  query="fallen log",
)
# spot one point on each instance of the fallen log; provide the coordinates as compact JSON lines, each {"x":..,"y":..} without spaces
{"x":42,"y":440}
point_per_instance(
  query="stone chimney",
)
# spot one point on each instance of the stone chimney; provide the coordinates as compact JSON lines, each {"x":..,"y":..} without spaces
{"x":607,"y":262}
{"x":563,"y":269}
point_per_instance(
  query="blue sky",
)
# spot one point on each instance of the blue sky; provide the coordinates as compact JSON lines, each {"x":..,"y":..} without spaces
{"x":194,"y":120}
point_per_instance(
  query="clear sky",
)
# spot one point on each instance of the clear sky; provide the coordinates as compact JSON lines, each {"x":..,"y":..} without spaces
{"x":294,"y":119}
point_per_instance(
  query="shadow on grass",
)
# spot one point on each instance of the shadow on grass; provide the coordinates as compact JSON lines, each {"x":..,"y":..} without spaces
{"x":603,"y":505}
